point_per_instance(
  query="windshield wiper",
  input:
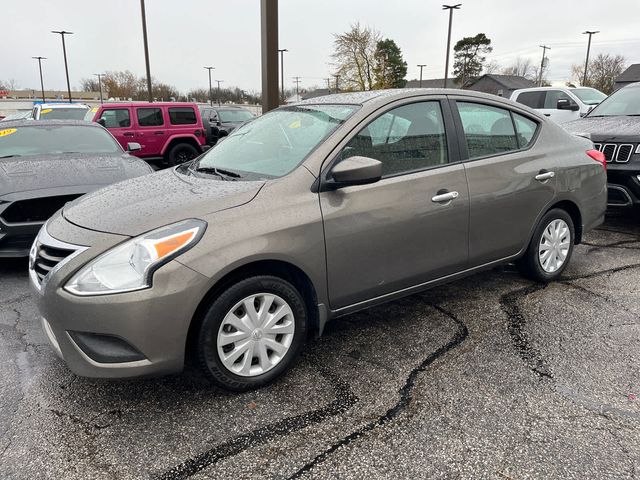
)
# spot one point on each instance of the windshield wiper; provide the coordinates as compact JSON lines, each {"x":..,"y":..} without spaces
{"x":9,"y":156}
{"x":224,"y":174}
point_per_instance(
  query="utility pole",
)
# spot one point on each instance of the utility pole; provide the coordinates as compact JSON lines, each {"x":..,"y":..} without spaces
{"x":421,"y":67}
{"x":269,"y":41}
{"x":62,"y":33}
{"x":219,"y":82}
{"x":297,"y":81}
{"x":40,"y":67}
{"x":544,"y":51}
{"x":210,"y":90}
{"x":337,"y":76}
{"x":146,"y":50}
{"x":282,"y":50}
{"x":586,"y":62}
{"x":451,"y":8}
{"x":100,"y":75}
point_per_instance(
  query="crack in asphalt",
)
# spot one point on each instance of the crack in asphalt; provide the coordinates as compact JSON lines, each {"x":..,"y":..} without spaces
{"x":406,"y":395}
{"x":344,"y":400}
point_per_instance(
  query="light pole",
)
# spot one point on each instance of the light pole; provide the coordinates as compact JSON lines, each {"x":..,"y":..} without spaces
{"x":40,"y":67}
{"x":100,"y":75}
{"x":282,"y":50}
{"x":421,"y":67}
{"x":451,"y":8}
{"x":337,"y":84}
{"x":62,"y":33}
{"x":544,"y":51}
{"x":219,"y":82}
{"x":586,"y":62}
{"x":146,"y":50}
{"x":210,"y":90}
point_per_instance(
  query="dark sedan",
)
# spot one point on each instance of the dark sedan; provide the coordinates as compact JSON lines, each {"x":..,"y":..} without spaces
{"x":44,"y":165}
{"x":614,"y":126}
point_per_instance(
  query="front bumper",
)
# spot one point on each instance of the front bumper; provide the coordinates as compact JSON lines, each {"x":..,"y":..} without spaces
{"x":16,"y":238}
{"x":122,"y":335}
{"x":624,"y":187}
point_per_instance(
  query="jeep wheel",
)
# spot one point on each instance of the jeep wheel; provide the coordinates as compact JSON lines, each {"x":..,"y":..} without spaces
{"x":180,"y":153}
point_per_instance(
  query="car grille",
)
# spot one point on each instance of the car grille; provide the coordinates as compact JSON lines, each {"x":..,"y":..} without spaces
{"x":35,"y":209}
{"x":46,"y":258}
{"x":615,"y":152}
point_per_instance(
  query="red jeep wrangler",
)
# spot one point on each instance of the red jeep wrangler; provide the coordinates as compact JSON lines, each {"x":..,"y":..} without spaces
{"x":170,"y":131}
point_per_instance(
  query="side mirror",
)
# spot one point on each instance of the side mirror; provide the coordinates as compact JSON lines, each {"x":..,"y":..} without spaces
{"x":102,"y":121}
{"x":354,"y":171}
{"x":564,"y":104}
{"x":133,"y":147}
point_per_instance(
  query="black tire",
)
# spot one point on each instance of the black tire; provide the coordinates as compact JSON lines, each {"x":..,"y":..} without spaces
{"x":530,"y":264}
{"x":180,"y":153}
{"x":207,"y":349}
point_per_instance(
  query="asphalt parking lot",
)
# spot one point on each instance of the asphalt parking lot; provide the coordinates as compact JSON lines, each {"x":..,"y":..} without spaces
{"x":489,"y":377}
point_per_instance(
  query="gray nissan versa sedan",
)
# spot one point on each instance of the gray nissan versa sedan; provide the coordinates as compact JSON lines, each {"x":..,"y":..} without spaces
{"x":308,"y":213}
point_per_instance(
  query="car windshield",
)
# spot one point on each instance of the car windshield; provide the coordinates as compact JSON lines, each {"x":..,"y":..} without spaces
{"x":61,"y":113}
{"x":625,"y":101}
{"x":589,"y":96}
{"x":274,"y":144}
{"x":232,"y":116}
{"x":21,"y":141}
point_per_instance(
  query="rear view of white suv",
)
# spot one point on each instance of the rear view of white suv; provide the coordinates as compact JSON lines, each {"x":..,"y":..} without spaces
{"x":561,"y":104}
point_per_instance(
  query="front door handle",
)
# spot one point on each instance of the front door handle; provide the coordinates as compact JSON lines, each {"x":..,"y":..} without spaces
{"x":444,"y":197}
{"x":158,"y":133}
{"x":128,"y":134}
{"x":544,"y":176}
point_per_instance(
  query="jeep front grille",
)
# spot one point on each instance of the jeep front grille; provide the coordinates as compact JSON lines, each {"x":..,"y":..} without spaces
{"x":615,"y":152}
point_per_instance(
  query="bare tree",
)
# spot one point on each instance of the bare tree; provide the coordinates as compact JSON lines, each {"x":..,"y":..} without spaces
{"x":522,"y":67}
{"x":491,"y":67}
{"x":89,"y":85}
{"x":602,"y":72}
{"x":354,"y":57}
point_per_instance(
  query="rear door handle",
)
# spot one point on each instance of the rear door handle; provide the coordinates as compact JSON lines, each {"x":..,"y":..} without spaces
{"x":544,"y":176}
{"x":128,"y":134}
{"x":547,"y":114}
{"x":158,"y":133}
{"x":444,"y":197}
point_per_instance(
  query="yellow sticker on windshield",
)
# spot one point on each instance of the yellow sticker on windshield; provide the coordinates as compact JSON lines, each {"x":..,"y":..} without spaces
{"x":295,"y":124}
{"x":94,"y":109}
{"x":45,"y":111}
{"x":7,"y":131}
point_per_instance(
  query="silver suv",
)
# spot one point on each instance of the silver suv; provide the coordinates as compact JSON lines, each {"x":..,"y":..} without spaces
{"x":308,"y":213}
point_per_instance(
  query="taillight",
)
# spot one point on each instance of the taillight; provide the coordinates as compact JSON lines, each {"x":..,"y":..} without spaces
{"x":598,"y":157}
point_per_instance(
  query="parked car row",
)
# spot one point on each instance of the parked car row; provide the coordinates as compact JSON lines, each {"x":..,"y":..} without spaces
{"x":305,"y":214}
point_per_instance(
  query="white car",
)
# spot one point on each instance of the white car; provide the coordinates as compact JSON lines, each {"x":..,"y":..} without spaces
{"x":59,"y":111}
{"x":561,"y":104}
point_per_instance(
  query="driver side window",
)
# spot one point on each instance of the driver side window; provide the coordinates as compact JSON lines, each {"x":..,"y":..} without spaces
{"x":406,"y":139}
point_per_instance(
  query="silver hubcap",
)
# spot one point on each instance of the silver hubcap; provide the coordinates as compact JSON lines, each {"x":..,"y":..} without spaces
{"x":256,"y":334}
{"x":554,"y":246}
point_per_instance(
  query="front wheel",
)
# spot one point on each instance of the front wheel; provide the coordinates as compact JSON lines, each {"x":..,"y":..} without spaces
{"x":551,"y":247}
{"x":180,"y":153}
{"x":252,"y":333}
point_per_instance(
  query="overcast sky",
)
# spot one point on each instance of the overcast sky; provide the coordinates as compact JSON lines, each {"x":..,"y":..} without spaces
{"x":186,"y":35}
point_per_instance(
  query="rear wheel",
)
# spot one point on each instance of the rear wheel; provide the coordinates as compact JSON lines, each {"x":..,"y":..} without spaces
{"x":180,"y":153}
{"x":550,"y":248}
{"x":252,"y":333}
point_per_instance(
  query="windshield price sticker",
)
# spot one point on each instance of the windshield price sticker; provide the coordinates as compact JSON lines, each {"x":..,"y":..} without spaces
{"x":45,"y":111}
{"x":7,"y":131}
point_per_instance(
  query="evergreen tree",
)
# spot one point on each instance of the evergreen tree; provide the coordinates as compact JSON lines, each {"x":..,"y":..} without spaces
{"x":390,"y":69}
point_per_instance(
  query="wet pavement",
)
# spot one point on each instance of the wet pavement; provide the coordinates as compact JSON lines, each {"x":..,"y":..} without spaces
{"x":489,"y":377}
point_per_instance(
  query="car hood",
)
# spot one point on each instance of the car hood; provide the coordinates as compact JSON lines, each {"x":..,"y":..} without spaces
{"x":606,"y":128}
{"x":136,"y":206}
{"x":36,"y":172}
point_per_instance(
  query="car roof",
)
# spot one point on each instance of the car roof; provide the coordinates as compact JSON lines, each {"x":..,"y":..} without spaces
{"x":385,"y":96}
{"x":46,"y":123}
{"x":149,"y":104}
{"x":63,"y":105}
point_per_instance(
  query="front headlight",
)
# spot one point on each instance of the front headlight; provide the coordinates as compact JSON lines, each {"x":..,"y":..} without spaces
{"x":130,"y":265}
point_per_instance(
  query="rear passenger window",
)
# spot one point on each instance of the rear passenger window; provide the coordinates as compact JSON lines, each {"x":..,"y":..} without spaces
{"x":488,"y":130}
{"x":405,"y":139}
{"x":116,"y":118}
{"x":531,"y":99}
{"x":182,"y":116}
{"x":150,"y":117}
{"x":526,"y":129}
